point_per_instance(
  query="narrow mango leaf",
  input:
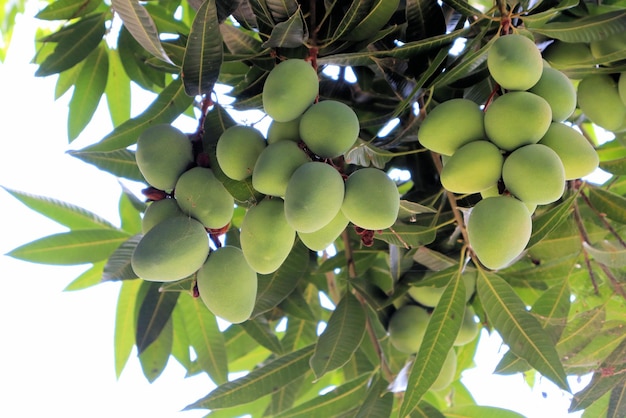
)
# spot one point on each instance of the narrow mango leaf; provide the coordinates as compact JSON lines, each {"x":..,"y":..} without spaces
{"x":74,"y":44}
{"x":284,"y":398}
{"x":469,"y":64}
{"x":140,"y":24}
{"x":580,"y":331}
{"x":599,"y":408}
{"x":378,"y":402}
{"x":611,"y":256}
{"x":170,"y":103}
{"x":586,"y":29}
{"x":66,"y":80}
{"x":463,"y":7}
{"x":281,"y":9}
{"x":64,"y":213}
{"x":204,"y":52}
{"x":617,"y":401}
{"x":154,"y":358}
{"x":88,"y":89}
{"x":617,"y":167}
{"x":441,"y":331}
{"x":118,"y":265}
{"x":609,"y":203}
{"x":240,"y":42}
{"x":73,"y":247}
{"x":258,"y":328}
{"x":90,"y":277}
{"x":547,"y":221}
{"x":130,"y":209}
{"x":357,"y":11}
{"x":480,"y":411}
{"x":424,"y":19}
{"x":426,"y":410}
{"x":155,"y":311}
{"x":180,"y":341}
{"x":117,"y":89}
{"x":408,"y":235}
{"x":120,"y":163}
{"x":205,"y":338}
{"x":124,"y":338}
{"x":255,"y":409}
{"x":519,"y":329}
{"x":262,"y":381}
{"x":68,"y":9}
{"x":295,"y":305}
{"x":299,"y":334}
{"x":291,"y":33}
{"x":341,"y":337}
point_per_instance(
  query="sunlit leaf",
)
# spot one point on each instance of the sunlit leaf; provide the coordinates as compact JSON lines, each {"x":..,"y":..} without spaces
{"x":617,"y":167}
{"x":124,"y":338}
{"x":480,"y":411}
{"x":117,"y":90}
{"x":90,"y":277}
{"x":120,"y":162}
{"x":609,"y":203}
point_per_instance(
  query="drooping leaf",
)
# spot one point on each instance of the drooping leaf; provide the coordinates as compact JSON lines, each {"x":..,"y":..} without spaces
{"x":120,"y":162}
{"x":74,"y":247}
{"x":547,"y":221}
{"x":586,"y":29}
{"x":258,"y":328}
{"x":154,"y":358}
{"x":118,"y":265}
{"x":378,"y":402}
{"x":617,"y":401}
{"x":289,"y":34}
{"x":609,"y":203}
{"x":355,"y":13}
{"x":411,"y":235}
{"x":130,"y":208}
{"x":124,"y":338}
{"x":204,"y":52}
{"x":90,"y":277}
{"x":68,"y":9}
{"x":341,"y":337}
{"x":469,"y":64}
{"x":155,"y":311}
{"x":117,"y":90}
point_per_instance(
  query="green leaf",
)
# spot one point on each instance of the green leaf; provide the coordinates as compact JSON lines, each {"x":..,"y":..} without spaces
{"x":378,"y":402}
{"x":118,"y":265}
{"x":259,"y":329}
{"x":616,"y":167}
{"x":609,"y":203}
{"x":120,"y":162}
{"x":117,"y":89}
{"x":90,"y":277}
{"x":140,"y":24}
{"x":469,"y":64}
{"x":617,"y":401}
{"x":124,"y":338}
{"x":262,"y":381}
{"x":240,"y":42}
{"x":519,"y":329}
{"x":66,"y":214}
{"x":341,"y":399}
{"x":88,"y":89}
{"x":341,"y":337}
{"x":586,"y":29}
{"x":480,"y":411}
{"x":610,"y":255}
{"x":170,"y":104}
{"x":154,"y":358}
{"x":288,"y":34}
{"x":412,"y":235}
{"x":426,"y":410}
{"x":204,"y":52}
{"x":580,"y":331}
{"x":75,"y":43}
{"x":441,"y":331}
{"x":129,"y":208}
{"x":74,"y":247}
{"x":68,"y":9}
{"x":155,"y":311}
{"x":547,"y":221}
{"x":463,"y":7}
{"x":205,"y":338}
{"x":357,"y":11}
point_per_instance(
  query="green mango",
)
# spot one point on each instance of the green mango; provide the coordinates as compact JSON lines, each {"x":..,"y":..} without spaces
{"x":158,"y":211}
{"x":469,"y":328}
{"x":320,"y":240}
{"x":237,"y":150}
{"x":329,"y":128}
{"x":514,"y":62}
{"x":290,"y":88}
{"x":558,"y":91}
{"x":430,"y":295}
{"x":275,"y":166}
{"x":567,"y":55}
{"x":578,"y":156}
{"x":283,"y":131}
{"x":447,"y":372}
{"x":599,"y":99}
{"x":407,"y":328}
{"x":473,"y":168}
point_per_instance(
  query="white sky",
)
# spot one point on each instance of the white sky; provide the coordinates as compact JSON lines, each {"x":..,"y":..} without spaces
{"x":56,"y":356}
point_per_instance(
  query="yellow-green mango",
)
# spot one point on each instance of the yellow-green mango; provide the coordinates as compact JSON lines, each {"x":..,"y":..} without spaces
{"x":201,"y":195}
{"x":266,"y":238}
{"x":372,"y":200}
{"x":498,"y":230}
{"x":407,"y":328}
{"x":534,"y":174}
{"x":329,"y":128}
{"x":567,"y":55}
{"x":320,"y":240}
{"x":275,"y":165}
{"x":290,"y":88}
{"x":578,"y":156}
{"x":621,"y":87}
{"x":473,"y":168}
{"x":172,"y":250}
{"x":451,"y":124}
{"x":158,"y":211}
{"x":447,"y":373}
{"x":600,"y":101}
{"x":514,"y":62}
{"x":163,"y":154}
{"x":516,"y":119}
{"x":283,"y":131}
{"x":227,"y":285}
{"x":469,"y":328}
{"x":313,"y":197}
{"x":558,"y":91}
{"x":430,"y":295}
{"x":238,"y":149}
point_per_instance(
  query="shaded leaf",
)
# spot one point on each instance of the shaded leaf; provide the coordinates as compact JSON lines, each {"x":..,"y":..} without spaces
{"x":118,"y":265}
{"x":258,"y":328}
{"x":609,"y":203}
{"x":378,"y":402}
{"x":120,"y":162}
{"x":413,"y":235}
{"x":357,"y":11}
{"x":586,"y":29}
{"x":365,"y":154}
{"x":288,"y":34}
{"x":617,"y":401}
{"x":155,"y":311}
{"x":547,"y":221}
{"x":68,"y":9}
{"x":154,"y":358}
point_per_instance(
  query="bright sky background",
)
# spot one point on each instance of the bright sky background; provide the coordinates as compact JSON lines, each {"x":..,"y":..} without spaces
{"x":56,"y":356}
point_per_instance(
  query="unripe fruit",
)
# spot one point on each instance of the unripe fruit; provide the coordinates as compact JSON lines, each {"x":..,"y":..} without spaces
{"x":266,"y":237}
{"x":514,"y":62}
{"x":163,"y":154}
{"x":371,"y":200}
{"x":172,"y":250}
{"x":438,"y":134}
{"x":313,"y":197}
{"x":534,"y":174}
{"x":329,"y":128}
{"x":558,"y":91}
{"x":578,"y":156}
{"x":516,"y":119}
{"x":319,"y":240}
{"x":472,"y":168}
{"x":407,"y":328}
{"x":599,"y":100}
{"x":429,"y":295}
{"x":238,"y":149}
{"x":498,"y":230}
{"x":566,"y":55}
{"x":609,"y":45}
{"x":621,"y":87}
{"x":447,"y":373}
{"x":201,"y":195}
{"x":290,"y":88}
{"x":227,"y":285}
{"x":469,"y":328}
{"x":275,"y":166}
{"x":284,"y":131}
{"x":158,"y":211}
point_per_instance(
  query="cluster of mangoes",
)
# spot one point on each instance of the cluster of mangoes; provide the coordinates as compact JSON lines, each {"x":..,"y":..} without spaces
{"x":305,"y":193}
{"x":517,"y":152}
{"x":407,"y":325}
